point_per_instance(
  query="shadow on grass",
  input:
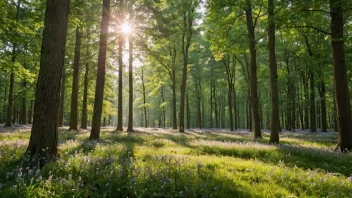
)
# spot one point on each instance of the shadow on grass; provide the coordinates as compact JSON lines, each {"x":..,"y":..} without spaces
{"x":291,"y":156}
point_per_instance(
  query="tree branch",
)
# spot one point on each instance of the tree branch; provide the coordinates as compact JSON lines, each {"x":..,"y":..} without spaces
{"x":315,"y":10}
{"x":307,"y":26}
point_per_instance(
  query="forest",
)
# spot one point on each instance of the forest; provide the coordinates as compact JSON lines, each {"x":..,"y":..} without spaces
{"x":175,"y":98}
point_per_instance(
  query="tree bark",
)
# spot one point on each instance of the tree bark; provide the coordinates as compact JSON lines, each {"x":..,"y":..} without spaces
{"x":85,"y":99}
{"x":44,"y":135}
{"x":313,"y":119}
{"x":186,"y":43}
{"x":62,"y":98}
{"x":12,"y":75}
{"x":10,"y":101}
{"x":4,"y":106}
{"x":306,"y":96}
{"x":211,"y":120}
{"x":235,"y":107}
{"x":323,"y":107}
{"x":173,"y":54}
{"x":163,"y":108}
{"x":75,"y":81}
{"x":144,"y":100}
{"x":99,"y":89}
{"x":120,"y":95}
{"x":23,"y":114}
{"x":84,"y":118}
{"x":275,"y":120}
{"x":343,"y":105}
{"x":30,"y":114}
{"x":188,"y":118}
{"x":253,"y":71}
{"x":130,"y":85}
{"x":216,"y":110}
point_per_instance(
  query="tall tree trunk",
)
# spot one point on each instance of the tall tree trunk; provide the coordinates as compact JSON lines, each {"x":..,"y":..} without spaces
{"x":12,"y":75}
{"x":306,"y":96}
{"x":313,"y":119}
{"x":186,"y":43}
{"x":10,"y":101}
{"x":323,"y":107}
{"x":253,"y":71}
{"x":14,"y":115}
{"x":85,"y":99}
{"x":173,"y":54}
{"x":235,"y":106}
{"x":216,"y":111}
{"x":144,"y":100}
{"x":335,"y":114}
{"x":174,"y":111}
{"x":199,"y":112}
{"x":163,"y":108}
{"x":250,"y":121}
{"x":99,"y":88}
{"x":44,"y":135}
{"x":23,"y":114}
{"x":211,"y":120}
{"x":120,"y":91}
{"x":343,"y":105}
{"x":75,"y":81}
{"x":229,"y":100}
{"x":30,"y":113}
{"x":275,"y":120}
{"x":62,"y":98}
{"x":84,"y":118}
{"x":188,"y":112}
{"x":130,"y":86}
{"x":4,"y":105}
{"x":229,"y":73}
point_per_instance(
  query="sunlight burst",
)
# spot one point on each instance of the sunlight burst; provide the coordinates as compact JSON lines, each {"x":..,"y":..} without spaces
{"x":126,"y":28}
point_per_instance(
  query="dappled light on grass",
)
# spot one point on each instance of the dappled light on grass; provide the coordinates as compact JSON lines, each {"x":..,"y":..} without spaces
{"x":167,"y":164}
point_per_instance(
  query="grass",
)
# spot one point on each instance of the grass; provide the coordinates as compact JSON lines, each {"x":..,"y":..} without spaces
{"x":156,"y":163}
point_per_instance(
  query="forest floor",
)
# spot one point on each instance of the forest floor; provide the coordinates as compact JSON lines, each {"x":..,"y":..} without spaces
{"x":163,"y":163}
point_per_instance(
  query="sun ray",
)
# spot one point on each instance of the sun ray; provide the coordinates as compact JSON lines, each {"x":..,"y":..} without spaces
{"x":126,"y":28}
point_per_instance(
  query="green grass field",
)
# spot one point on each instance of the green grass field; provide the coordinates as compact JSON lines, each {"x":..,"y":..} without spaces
{"x":163,"y":163}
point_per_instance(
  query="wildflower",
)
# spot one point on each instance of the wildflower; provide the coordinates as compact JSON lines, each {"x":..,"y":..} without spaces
{"x":19,"y":174}
{"x":40,"y":178}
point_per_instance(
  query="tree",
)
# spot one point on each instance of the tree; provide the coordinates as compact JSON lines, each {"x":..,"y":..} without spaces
{"x":253,"y":68}
{"x":275,"y":122}
{"x":75,"y":81}
{"x":12,"y":75}
{"x":188,"y":17}
{"x":99,"y":89}
{"x":343,"y":105}
{"x":84,"y":118}
{"x":130,"y":85}
{"x":62,"y":98}
{"x":44,"y":135}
